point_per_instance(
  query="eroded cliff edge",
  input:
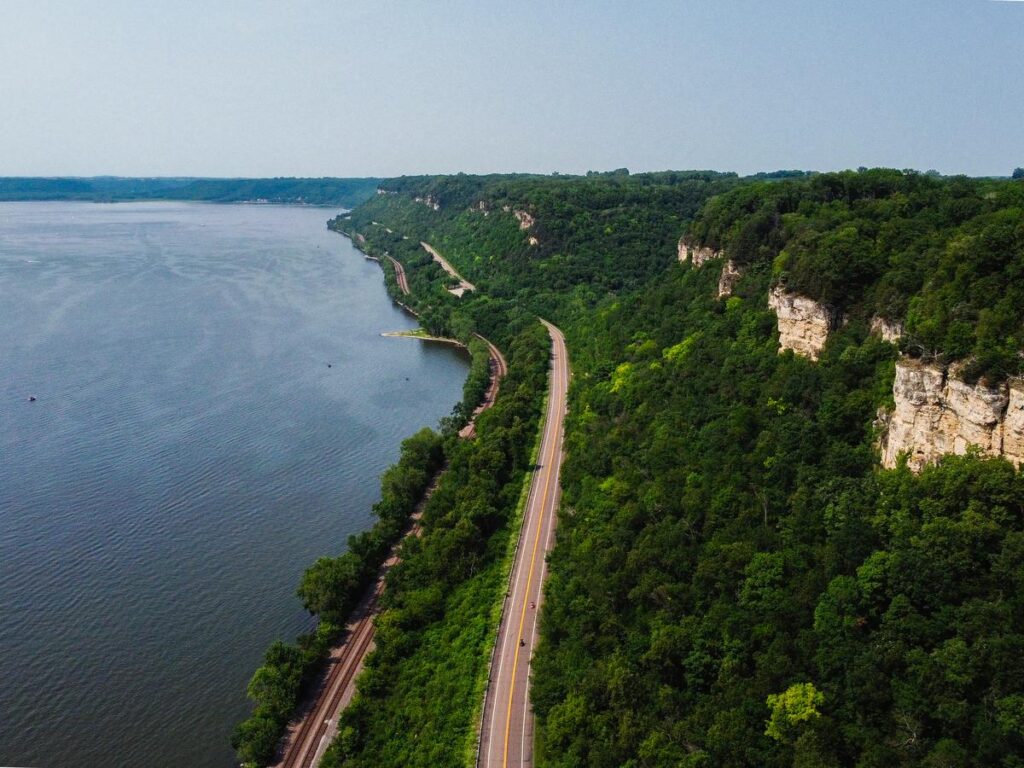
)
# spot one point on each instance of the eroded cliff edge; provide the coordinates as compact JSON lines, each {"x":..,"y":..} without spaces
{"x":804,"y":324}
{"x":937,"y":413}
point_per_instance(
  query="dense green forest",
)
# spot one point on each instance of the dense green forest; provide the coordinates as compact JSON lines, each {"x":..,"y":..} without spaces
{"x":945,"y":255}
{"x":597,"y":236}
{"x":726,"y":535}
{"x":736,"y":582}
{"x":105,"y":189}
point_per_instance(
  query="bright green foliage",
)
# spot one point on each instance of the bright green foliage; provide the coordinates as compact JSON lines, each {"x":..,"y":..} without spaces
{"x":725,"y":530}
{"x":275,"y":690}
{"x":945,"y":255}
{"x":330,"y":589}
{"x":791,"y":709}
{"x":599,"y":235}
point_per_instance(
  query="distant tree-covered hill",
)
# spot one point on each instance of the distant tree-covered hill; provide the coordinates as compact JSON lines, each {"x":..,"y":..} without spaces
{"x":322,"y":191}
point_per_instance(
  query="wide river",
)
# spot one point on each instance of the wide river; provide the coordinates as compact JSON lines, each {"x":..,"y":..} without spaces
{"x":214,"y":406}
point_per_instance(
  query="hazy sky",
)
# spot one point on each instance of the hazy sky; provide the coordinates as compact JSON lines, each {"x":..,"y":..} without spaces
{"x":354,"y":87}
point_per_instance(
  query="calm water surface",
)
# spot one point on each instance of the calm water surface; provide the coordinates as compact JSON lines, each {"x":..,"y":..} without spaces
{"x":188,"y":454}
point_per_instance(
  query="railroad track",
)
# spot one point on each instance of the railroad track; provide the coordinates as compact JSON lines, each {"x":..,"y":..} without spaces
{"x":403,"y":282}
{"x":306,"y":744}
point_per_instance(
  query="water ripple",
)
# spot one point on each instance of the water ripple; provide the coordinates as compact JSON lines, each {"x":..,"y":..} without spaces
{"x":188,"y":455}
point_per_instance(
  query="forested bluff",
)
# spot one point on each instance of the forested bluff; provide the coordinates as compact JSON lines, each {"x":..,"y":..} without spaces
{"x":748,"y":570}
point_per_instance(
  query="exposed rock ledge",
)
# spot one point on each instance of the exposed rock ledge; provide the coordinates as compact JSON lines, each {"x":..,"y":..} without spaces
{"x":804,"y":324}
{"x":524,"y":218}
{"x":937,"y":413}
{"x":887,"y":330}
{"x":731,"y":275}
{"x":429,"y":201}
{"x":695,"y":254}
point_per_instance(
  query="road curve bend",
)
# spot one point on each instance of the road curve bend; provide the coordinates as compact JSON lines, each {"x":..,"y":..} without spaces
{"x":506,"y":731}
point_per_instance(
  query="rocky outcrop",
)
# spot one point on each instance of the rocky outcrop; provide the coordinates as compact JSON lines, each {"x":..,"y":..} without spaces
{"x":887,"y":330}
{"x":1013,"y":422}
{"x":482,"y":206}
{"x":731,"y":275}
{"x":694,"y":253}
{"x":524,"y":218}
{"x":804,"y":324}
{"x":532,"y":240}
{"x":937,"y":413}
{"x":429,"y":201}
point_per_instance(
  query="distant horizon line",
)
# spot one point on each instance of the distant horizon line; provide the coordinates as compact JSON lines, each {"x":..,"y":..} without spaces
{"x":188,"y":177}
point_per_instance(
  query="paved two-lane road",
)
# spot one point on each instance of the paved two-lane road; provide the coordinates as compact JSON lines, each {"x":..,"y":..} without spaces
{"x":506,"y":736}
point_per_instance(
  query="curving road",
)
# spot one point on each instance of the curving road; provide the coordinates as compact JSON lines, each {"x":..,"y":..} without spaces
{"x":506,"y":732}
{"x":464,"y":284}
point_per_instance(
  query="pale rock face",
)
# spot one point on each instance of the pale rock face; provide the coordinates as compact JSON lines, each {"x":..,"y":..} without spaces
{"x":730,"y":276}
{"x":804,"y":324}
{"x":524,"y":218}
{"x":532,"y":240}
{"x":887,"y":330}
{"x":936,"y":413}
{"x":428,"y":201}
{"x":1013,"y":423}
{"x":695,"y":254}
{"x":482,"y":207}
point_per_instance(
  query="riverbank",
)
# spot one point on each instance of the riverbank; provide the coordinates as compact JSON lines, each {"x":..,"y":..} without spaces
{"x":330,"y":588}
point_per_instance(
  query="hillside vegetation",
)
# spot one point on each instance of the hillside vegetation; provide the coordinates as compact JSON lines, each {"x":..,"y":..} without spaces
{"x":736,"y":582}
{"x":946,"y":255}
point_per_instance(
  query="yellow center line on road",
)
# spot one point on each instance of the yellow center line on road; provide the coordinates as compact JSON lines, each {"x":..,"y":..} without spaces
{"x":529,"y":577}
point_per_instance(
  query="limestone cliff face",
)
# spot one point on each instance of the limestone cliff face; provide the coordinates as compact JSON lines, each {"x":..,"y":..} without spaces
{"x":524,"y":218}
{"x":730,"y":276}
{"x":888,"y":330}
{"x":937,"y":413}
{"x":429,"y":201}
{"x":695,"y":254}
{"x":804,"y":324}
{"x":1013,"y":423}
